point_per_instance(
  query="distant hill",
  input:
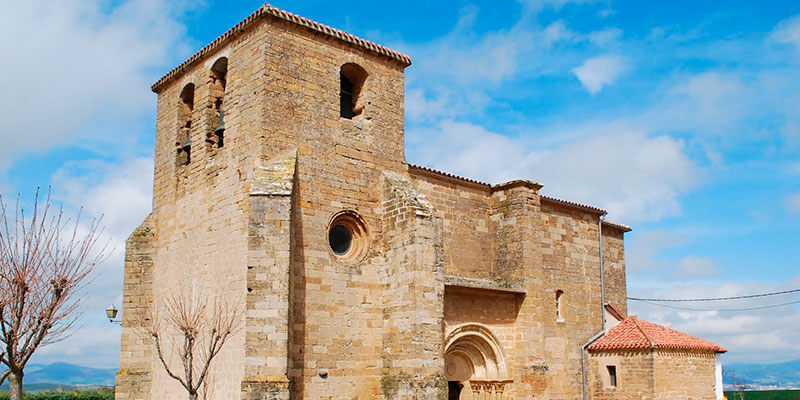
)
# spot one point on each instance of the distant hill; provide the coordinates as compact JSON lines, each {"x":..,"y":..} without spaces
{"x":781,"y":375}
{"x":48,"y":376}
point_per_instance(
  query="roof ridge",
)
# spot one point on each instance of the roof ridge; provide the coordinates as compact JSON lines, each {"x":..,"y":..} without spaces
{"x":275,"y":12}
{"x":574,"y":204}
{"x":448,"y":175}
{"x":636,"y":323}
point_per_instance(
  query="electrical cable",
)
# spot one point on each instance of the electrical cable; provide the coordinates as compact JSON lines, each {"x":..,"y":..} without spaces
{"x":721,"y":310}
{"x":749,"y":296}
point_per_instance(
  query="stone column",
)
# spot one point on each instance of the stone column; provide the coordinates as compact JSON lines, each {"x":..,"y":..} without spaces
{"x":413,"y":338}
{"x":268,"y":262}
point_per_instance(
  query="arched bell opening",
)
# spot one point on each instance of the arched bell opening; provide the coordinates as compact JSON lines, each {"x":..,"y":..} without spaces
{"x":475,"y":364}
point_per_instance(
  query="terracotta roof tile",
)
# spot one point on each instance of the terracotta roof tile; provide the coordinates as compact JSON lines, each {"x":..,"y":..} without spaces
{"x":412,"y":167}
{"x":268,"y":10}
{"x":622,"y":227}
{"x":635,"y":334}
{"x":574,"y":204}
{"x":614,"y":311}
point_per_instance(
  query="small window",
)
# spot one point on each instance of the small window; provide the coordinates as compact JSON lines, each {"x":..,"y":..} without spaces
{"x":351,"y":83}
{"x":612,"y":375}
{"x":559,"y":306}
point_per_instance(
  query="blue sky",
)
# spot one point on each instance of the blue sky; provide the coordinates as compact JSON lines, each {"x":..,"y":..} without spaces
{"x":680,"y":118}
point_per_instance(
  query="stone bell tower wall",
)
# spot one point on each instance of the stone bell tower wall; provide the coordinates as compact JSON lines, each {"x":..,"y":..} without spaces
{"x":281,"y":96}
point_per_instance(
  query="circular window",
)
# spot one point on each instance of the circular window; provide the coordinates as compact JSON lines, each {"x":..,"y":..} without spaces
{"x":347,"y":236}
{"x":340,"y":239}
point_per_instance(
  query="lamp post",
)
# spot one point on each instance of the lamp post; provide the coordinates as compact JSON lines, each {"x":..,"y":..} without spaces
{"x":111,"y":313}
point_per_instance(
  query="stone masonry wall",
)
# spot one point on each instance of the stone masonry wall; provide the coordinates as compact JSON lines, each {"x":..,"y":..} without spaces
{"x":570,"y":260}
{"x":511,"y":239}
{"x":684,"y":375}
{"x":635,"y":375}
{"x":268,"y":269}
{"x":614,"y":259}
{"x":413,"y":348}
{"x":282,"y":92}
{"x":468,"y":242}
{"x":136,"y":355}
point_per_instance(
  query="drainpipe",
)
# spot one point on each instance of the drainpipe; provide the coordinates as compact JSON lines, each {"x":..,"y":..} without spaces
{"x":602,"y":306}
{"x":602,"y":271}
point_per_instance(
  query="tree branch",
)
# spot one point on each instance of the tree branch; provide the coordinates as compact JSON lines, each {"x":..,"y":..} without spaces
{"x":164,"y":363}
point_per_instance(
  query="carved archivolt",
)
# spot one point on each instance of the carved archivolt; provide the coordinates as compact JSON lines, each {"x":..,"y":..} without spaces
{"x":475,"y":357}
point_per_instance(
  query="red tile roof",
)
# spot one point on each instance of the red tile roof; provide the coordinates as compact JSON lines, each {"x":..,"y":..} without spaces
{"x":574,"y":205}
{"x":268,"y":10}
{"x":635,"y":334}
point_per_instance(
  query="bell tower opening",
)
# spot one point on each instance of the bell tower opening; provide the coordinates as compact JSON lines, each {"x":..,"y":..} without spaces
{"x":218,"y":78}
{"x":351,"y":83}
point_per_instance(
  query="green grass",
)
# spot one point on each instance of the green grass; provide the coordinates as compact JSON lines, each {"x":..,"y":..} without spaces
{"x":94,"y":394}
{"x":766,"y":395}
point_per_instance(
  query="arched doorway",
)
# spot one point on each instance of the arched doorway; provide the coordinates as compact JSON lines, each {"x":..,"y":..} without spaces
{"x":475,"y":365}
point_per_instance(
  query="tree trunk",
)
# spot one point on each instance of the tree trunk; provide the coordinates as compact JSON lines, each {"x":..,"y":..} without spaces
{"x":192,"y":396}
{"x":15,"y":385}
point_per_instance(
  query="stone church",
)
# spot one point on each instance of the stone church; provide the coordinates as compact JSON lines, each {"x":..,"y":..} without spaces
{"x":281,"y":186}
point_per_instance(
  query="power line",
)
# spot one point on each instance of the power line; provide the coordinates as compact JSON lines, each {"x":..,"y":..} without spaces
{"x":749,"y":296}
{"x":722,"y":310}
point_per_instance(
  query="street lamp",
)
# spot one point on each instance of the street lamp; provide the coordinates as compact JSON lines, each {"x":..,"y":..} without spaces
{"x":111,"y":313}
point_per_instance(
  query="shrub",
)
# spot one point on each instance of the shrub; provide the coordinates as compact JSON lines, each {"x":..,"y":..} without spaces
{"x":93,"y":394}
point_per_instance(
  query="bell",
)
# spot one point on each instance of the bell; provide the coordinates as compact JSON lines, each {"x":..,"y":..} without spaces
{"x":221,"y":127}
{"x":187,"y":145}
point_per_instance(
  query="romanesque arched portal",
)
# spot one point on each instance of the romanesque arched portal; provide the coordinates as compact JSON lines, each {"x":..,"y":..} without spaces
{"x":475,"y":365}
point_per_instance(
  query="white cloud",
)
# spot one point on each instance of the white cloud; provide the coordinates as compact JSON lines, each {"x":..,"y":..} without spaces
{"x":714,"y":102}
{"x":597,"y":72}
{"x":443,"y":102}
{"x":557,"y":32}
{"x":71,"y":64}
{"x":467,"y":149}
{"x":122,"y":194}
{"x":555,"y":4}
{"x":644,"y":248}
{"x":787,"y":32}
{"x":493,"y":58}
{"x":605,"y":37}
{"x":793,"y":203}
{"x":634,"y":176}
{"x":697,"y":267}
{"x":764,"y":335}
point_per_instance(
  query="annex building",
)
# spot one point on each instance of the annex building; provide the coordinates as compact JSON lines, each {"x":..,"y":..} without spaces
{"x":281,"y":186}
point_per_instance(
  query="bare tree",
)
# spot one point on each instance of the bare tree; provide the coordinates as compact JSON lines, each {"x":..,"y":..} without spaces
{"x":44,"y":262}
{"x":199,"y":331}
{"x":738,"y":386}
